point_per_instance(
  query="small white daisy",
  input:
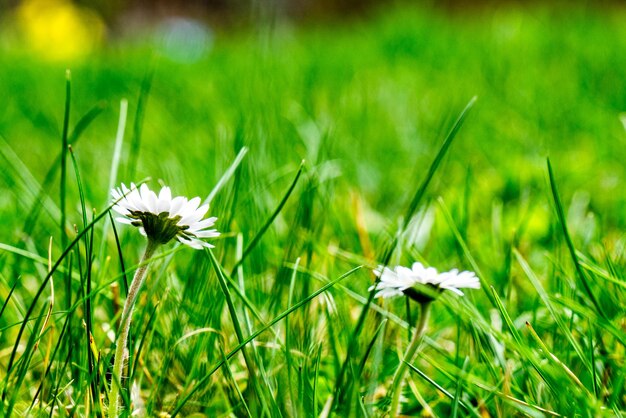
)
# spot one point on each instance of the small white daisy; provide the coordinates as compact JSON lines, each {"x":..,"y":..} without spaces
{"x":162,"y":218}
{"x":401,"y":281}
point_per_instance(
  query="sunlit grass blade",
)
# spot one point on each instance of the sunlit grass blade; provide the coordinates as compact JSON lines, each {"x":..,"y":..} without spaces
{"x":548,"y":303}
{"x":610,"y":274}
{"x":507,"y":318}
{"x":570,"y":245}
{"x":115,"y":164}
{"x":555,"y":359}
{"x":247,"y":307}
{"x":64,"y":144}
{"x":520,"y":343}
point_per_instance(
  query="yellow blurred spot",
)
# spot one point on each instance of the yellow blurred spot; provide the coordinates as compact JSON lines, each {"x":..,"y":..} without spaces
{"x":58,"y":30}
{"x":538,"y":223}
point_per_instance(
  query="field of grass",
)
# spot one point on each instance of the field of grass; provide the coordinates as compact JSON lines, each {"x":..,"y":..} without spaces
{"x":325,"y":150}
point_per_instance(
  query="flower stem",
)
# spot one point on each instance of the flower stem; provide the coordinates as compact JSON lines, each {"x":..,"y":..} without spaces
{"x":398,"y":377}
{"x":122,"y":339}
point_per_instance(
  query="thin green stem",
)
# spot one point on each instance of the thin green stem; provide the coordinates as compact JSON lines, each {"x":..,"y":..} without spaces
{"x":398,"y":377}
{"x":122,"y":338}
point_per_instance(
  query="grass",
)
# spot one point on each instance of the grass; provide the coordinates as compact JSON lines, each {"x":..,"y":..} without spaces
{"x":277,"y":319}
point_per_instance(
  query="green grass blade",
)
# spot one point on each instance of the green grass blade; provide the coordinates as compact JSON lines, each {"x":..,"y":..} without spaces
{"x":288,"y":359}
{"x":120,"y":255}
{"x":142,"y":102}
{"x":370,"y":346}
{"x":457,"y":395}
{"x":570,"y":245}
{"x":436,"y":385}
{"x":91,"y":361}
{"x":142,"y":341}
{"x":230,"y":378}
{"x":115,"y":163}
{"x":226,"y":176}
{"x":261,"y":393}
{"x":555,"y":359}
{"x":81,"y":192}
{"x":64,"y":144}
{"x":119,"y":140}
{"x":270,"y":220}
{"x":592,"y":358}
{"x":318,"y":360}
{"x":93,"y":371}
{"x":545,"y":298}
{"x":185,"y":398}
{"x":432,"y":169}
{"x":507,"y":318}
{"x":84,"y":122}
{"x":519,"y":341}
{"x":8,"y":298}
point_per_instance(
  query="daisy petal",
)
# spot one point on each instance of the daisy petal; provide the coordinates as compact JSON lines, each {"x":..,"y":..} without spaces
{"x":162,"y":217}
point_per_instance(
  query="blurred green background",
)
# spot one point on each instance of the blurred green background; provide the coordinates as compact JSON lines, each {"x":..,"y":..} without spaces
{"x":368,"y":91}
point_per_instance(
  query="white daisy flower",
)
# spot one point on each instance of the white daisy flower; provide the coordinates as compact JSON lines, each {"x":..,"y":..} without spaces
{"x":401,"y":281}
{"x":393,"y":282}
{"x":162,"y":218}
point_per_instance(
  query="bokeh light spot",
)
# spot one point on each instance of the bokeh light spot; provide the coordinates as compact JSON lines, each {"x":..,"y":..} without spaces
{"x":58,"y":30}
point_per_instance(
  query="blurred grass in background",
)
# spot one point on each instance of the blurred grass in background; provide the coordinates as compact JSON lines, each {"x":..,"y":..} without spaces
{"x":366,"y":101}
{"x":373,"y":96}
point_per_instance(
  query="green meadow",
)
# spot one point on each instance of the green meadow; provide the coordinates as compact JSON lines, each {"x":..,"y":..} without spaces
{"x":491,"y":141}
